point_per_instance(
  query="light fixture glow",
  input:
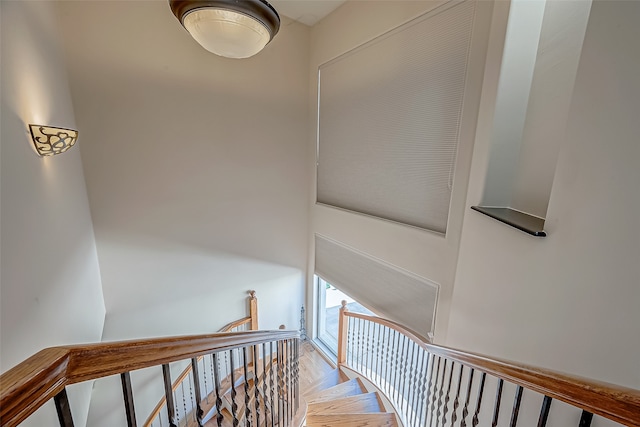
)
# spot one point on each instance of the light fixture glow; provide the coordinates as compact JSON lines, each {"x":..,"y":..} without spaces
{"x":49,"y":140}
{"x":219,"y":31}
{"x":229,"y":28}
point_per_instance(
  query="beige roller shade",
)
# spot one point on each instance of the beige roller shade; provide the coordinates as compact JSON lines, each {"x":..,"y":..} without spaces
{"x":385,"y":289}
{"x":388,"y":120}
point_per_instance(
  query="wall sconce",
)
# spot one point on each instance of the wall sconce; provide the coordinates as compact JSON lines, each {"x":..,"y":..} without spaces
{"x":49,"y":140}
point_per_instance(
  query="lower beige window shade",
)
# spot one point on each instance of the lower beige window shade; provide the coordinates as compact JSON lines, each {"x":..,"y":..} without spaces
{"x":385,"y":289}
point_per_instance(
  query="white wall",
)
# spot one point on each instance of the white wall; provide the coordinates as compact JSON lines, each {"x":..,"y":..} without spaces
{"x":196,"y":172}
{"x":568,"y":301}
{"x":561,"y":38}
{"x":516,"y":74}
{"x":424,"y":253}
{"x":537,"y":75}
{"x":50,"y":281}
{"x":194,"y":165}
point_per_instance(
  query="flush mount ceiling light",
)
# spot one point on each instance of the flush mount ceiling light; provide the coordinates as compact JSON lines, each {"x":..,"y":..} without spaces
{"x":49,"y":140}
{"x":229,"y":28}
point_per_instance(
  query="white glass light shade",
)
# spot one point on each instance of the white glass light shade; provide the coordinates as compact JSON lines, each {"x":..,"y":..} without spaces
{"x":227,"y":33}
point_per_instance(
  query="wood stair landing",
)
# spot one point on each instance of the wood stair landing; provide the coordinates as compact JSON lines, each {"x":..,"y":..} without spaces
{"x":384,"y":419}
{"x":362,"y":403}
{"x":345,"y":389}
{"x":337,"y":401}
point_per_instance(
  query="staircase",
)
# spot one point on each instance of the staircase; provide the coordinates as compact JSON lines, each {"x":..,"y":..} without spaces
{"x":340,"y":401}
{"x":385,"y":375}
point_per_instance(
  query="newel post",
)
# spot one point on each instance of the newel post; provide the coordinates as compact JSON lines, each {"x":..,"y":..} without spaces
{"x":342,"y":334}
{"x":253,"y":310}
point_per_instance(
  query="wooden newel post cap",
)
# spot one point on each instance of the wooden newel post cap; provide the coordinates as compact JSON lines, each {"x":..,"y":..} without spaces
{"x":282,"y":327}
{"x":253,"y":294}
{"x":344,"y":305}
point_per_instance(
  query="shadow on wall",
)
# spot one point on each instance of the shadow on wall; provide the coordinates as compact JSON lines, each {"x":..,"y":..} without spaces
{"x":152,"y":272}
{"x":206,"y":178}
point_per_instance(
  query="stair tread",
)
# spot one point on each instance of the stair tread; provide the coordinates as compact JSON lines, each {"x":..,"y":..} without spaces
{"x":361,"y":404}
{"x":348,"y":388}
{"x":334,"y":378}
{"x":385,"y":419}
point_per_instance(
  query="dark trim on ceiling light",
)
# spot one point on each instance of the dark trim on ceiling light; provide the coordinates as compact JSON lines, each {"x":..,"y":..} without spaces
{"x":257,"y":9}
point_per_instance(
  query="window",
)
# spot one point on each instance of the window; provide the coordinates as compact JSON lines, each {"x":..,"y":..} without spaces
{"x":329,"y":302}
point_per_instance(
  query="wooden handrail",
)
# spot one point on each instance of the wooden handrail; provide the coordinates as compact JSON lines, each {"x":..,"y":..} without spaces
{"x":236,"y":323}
{"x":27,"y":386}
{"x":251,"y":320}
{"x":617,"y":403}
{"x":414,"y":336}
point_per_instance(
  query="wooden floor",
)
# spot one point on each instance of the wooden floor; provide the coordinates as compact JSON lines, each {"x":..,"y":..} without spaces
{"x":313,"y":366}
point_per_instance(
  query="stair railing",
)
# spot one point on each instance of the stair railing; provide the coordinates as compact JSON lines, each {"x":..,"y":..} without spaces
{"x":432,"y":385}
{"x":187,"y":385}
{"x":271,"y":396}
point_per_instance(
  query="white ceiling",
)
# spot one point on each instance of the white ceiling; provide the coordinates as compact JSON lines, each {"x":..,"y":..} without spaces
{"x":306,"y":11}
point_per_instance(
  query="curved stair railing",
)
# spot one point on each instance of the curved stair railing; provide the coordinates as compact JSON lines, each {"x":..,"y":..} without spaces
{"x":432,"y":385}
{"x":253,"y":380}
{"x":259,"y":369}
{"x":188,"y":385}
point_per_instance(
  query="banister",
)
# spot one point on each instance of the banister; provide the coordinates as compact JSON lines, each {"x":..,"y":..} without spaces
{"x":253,"y":310}
{"x":236,"y":323}
{"x":251,"y":320}
{"x":187,"y":370}
{"x":617,"y":403}
{"x":342,"y":333}
{"x":174,"y":387}
{"x":415,"y":336}
{"x":27,"y":386}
